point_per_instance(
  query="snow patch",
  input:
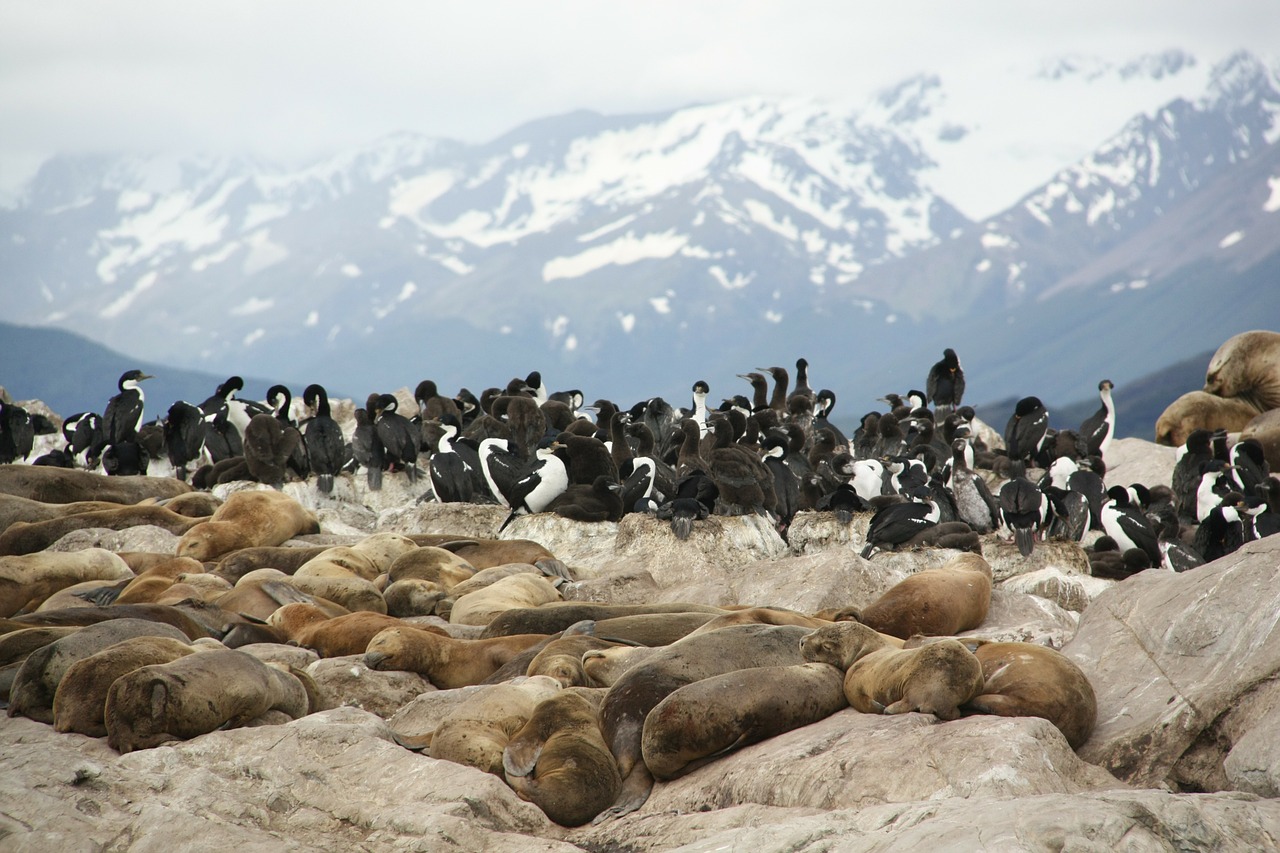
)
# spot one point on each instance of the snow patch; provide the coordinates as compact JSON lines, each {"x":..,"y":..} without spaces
{"x":253,"y":305}
{"x":625,"y":250}
{"x":571,"y":343}
{"x":203,"y":262}
{"x":313,"y":320}
{"x":1273,"y":203}
{"x":627,"y":321}
{"x":132,"y":200}
{"x":350,"y":270}
{"x":738,"y":281}
{"x":605,"y":229}
{"x":122,"y":303}
{"x":262,"y":252}
{"x":407,"y":291}
{"x":1231,"y":239}
{"x":253,"y":337}
{"x":661,"y":304}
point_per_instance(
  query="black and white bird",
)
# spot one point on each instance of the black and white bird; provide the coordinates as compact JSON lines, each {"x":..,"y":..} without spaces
{"x":1222,"y":531}
{"x":1098,"y":429}
{"x":280,"y":400}
{"x":526,"y":486}
{"x":1025,"y":432}
{"x":786,"y":486}
{"x":454,"y":467}
{"x":326,"y":447}
{"x":694,"y":500}
{"x":1186,"y":472}
{"x":1128,"y":526}
{"x":897,"y":523}
{"x":83,"y":433}
{"x":17,"y":434}
{"x":974,"y":502}
{"x":1024,"y":509}
{"x":945,"y":383}
{"x":398,"y":437}
{"x":184,"y":431}
{"x":122,"y":418}
{"x":1214,"y":485}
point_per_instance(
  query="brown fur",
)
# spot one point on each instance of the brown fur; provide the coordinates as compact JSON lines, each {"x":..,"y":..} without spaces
{"x":1200,"y":410}
{"x":337,"y":636}
{"x":478,"y":730}
{"x":286,"y":559}
{"x":1265,"y":429}
{"x":1247,"y":366}
{"x":561,"y":659}
{"x":431,"y":564}
{"x":710,"y":717}
{"x":935,"y":602}
{"x":27,"y":580}
{"x":603,"y":667}
{"x":486,"y":553}
{"x":1030,"y":680}
{"x":446,"y":662}
{"x":413,"y":597}
{"x":247,"y":519}
{"x":65,"y":485}
{"x":79,"y":703}
{"x":27,"y":538}
{"x":556,"y":616}
{"x":559,"y":761}
{"x":200,"y":693}
{"x":338,"y":562}
{"x":519,"y":590}
{"x":761,"y":616}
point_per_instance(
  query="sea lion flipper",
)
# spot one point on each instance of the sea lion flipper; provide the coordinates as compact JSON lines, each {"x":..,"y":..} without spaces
{"x":554,"y":568}
{"x":993,"y":703}
{"x":416,"y":743}
{"x":520,"y":757}
{"x":455,"y":545}
{"x":283,"y":593}
{"x":633,"y":794}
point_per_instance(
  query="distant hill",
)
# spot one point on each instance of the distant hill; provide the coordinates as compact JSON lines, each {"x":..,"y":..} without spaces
{"x":73,"y":374}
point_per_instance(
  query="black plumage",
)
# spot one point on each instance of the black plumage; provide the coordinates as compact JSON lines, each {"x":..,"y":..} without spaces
{"x":398,"y":437}
{"x":1128,"y":526}
{"x":945,"y":383}
{"x":1024,"y":434}
{"x":897,"y":523}
{"x":326,"y":447}
{"x":1098,"y":429}
{"x":268,"y":444}
{"x":123,"y":416}
{"x":17,"y":435}
{"x":601,"y":500}
{"x":184,"y":430}
{"x":695,"y":500}
{"x":974,"y":502}
{"x":1024,"y":509}
{"x":366,"y":446}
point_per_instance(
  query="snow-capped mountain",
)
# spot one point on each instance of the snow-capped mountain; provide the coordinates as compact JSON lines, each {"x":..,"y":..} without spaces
{"x":702,"y":238}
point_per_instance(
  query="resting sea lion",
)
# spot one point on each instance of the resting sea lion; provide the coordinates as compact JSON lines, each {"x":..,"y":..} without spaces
{"x":761,"y":616}
{"x":1200,"y":410}
{"x":561,"y":658}
{"x":307,"y":626}
{"x":26,"y":538}
{"x":559,"y":761}
{"x":27,"y":580}
{"x":283,"y":558}
{"x":1265,"y":429}
{"x":935,"y":602}
{"x":714,"y":716}
{"x":180,"y":618}
{"x":1247,"y":366}
{"x":80,"y":700}
{"x":67,"y":485}
{"x":477,"y":731}
{"x":198,"y":694}
{"x":445,"y":661}
{"x":247,"y":519}
{"x":518,"y":590}
{"x":432,"y":564}
{"x":556,"y":616}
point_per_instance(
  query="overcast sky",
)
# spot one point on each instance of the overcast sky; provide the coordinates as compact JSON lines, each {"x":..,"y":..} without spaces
{"x":300,"y":79}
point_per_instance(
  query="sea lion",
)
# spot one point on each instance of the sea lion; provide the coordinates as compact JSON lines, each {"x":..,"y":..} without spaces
{"x":603,"y":667}
{"x":935,"y":602}
{"x":1247,"y":367}
{"x":486,"y":553}
{"x":644,"y":685}
{"x":306,"y":625}
{"x":881,"y":678}
{"x":559,"y":761}
{"x":338,"y":562}
{"x":14,"y":508}
{"x":413,"y":597}
{"x":709,"y":718}
{"x":247,"y":519}
{"x":26,"y":538}
{"x":192,"y":504}
{"x":180,"y":618}
{"x":561,"y":658}
{"x":27,"y":580}
{"x":283,"y":558}
{"x":200,"y":693}
{"x":521,"y":589}
{"x":15,"y":646}
{"x":384,"y":548}
{"x":445,"y":661}
{"x":1265,"y":429}
{"x":351,"y":593}
{"x":258,"y":599}
{"x":37,"y":679}
{"x":1201,"y":410}
{"x":79,"y":703}
{"x":431,"y":564}
{"x":67,"y":485}
{"x":556,"y":616}
{"x":478,"y":730}
{"x":1031,"y":680}
{"x":761,"y":616}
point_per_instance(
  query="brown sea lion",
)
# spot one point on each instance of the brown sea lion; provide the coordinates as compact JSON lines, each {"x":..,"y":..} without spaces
{"x":518,"y":590}
{"x":603,"y":667}
{"x":37,"y":679}
{"x":66,"y":485}
{"x":445,"y":661}
{"x":339,"y":561}
{"x":198,"y":694}
{"x":1031,"y":680}
{"x":761,"y":616}
{"x":178,"y":617}
{"x":556,"y":616}
{"x":27,"y":580}
{"x":26,"y":538}
{"x":1247,"y":367}
{"x":714,"y":716}
{"x":644,"y":685}
{"x":935,"y":602}
{"x":80,"y":700}
{"x":307,"y":626}
{"x":1200,"y":410}
{"x":413,"y":597}
{"x":431,"y":564}
{"x":881,"y":678}
{"x":561,"y":658}
{"x":1265,"y":429}
{"x":486,"y":553}
{"x":559,"y":761}
{"x":284,"y":558}
{"x":247,"y":519}
{"x":478,"y":730}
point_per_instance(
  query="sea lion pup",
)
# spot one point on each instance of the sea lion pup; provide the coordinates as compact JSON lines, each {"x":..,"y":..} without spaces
{"x":27,"y":580}
{"x":486,"y":553}
{"x":37,"y":679}
{"x":709,"y":718}
{"x":881,"y":679}
{"x":413,"y":597}
{"x":65,"y":485}
{"x":384,"y":548}
{"x":29,"y":537}
{"x":340,"y":561}
{"x":247,"y":519}
{"x":200,"y":693}
{"x":934,"y":602}
{"x":79,"y":703}
{"x":1247,"y":366}
{"x":559,"y":761}
{"x":761,"y":616}
{"x":477,"y":731}
{"x":1031,"y":680}
{"x":517,"y":590}
{"x":446,"y":662}
{"x":644,"y":685}
{"x":556,"y":616}
{"x":308,"y":626}
{"x":283,"y":558}
{"x":1200,"y":410}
